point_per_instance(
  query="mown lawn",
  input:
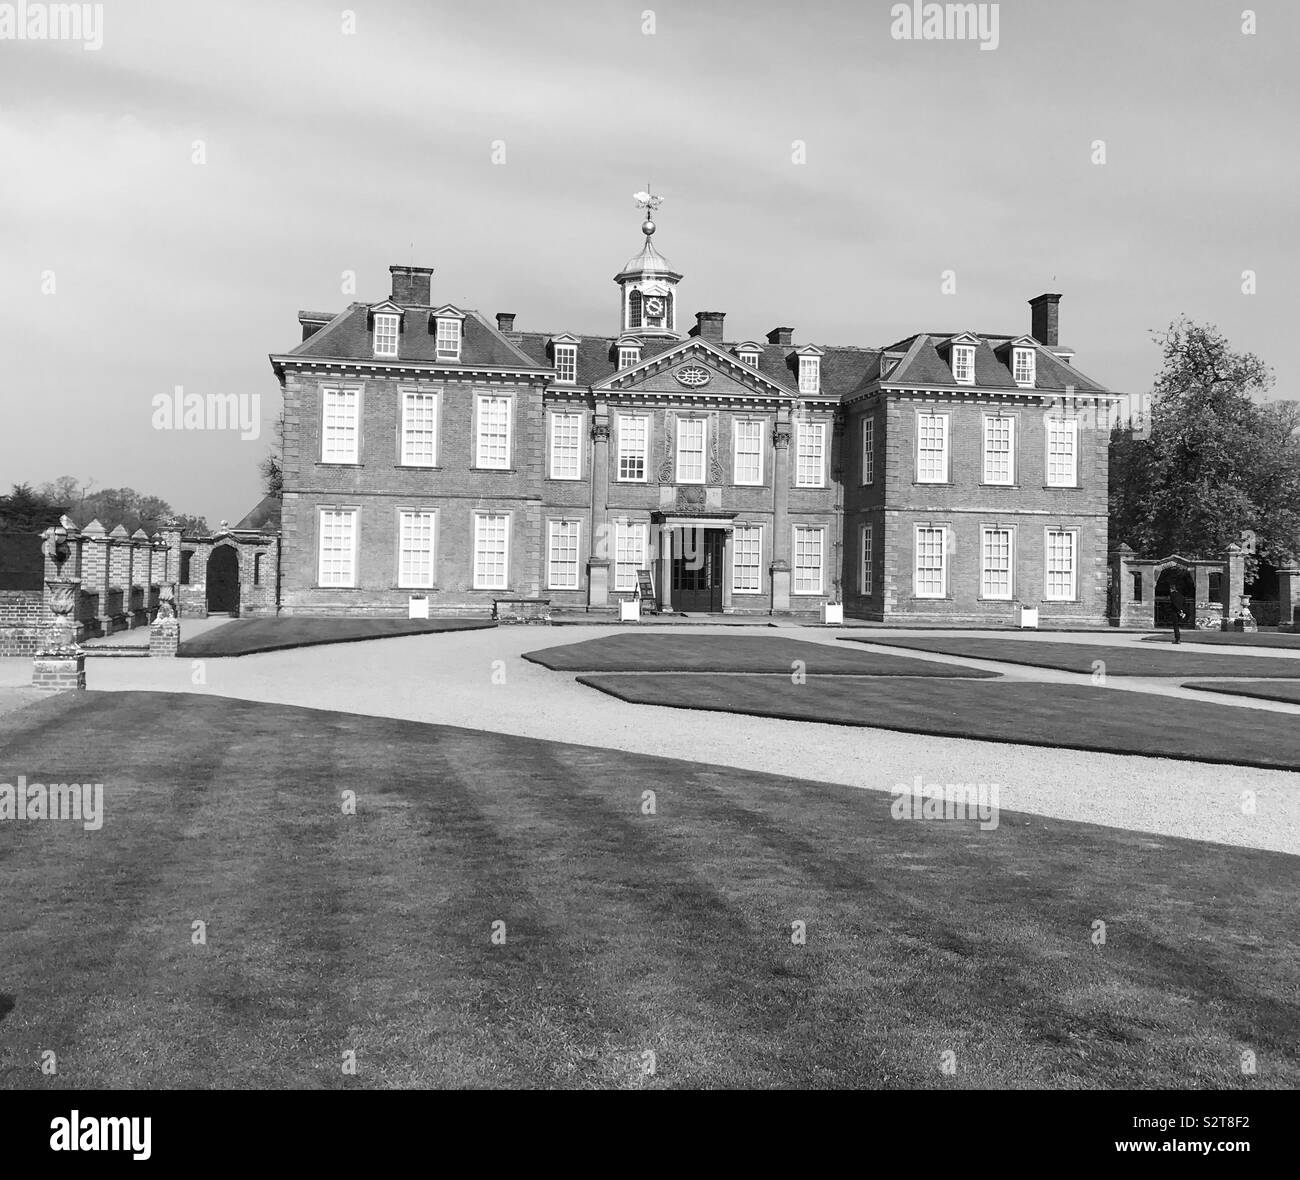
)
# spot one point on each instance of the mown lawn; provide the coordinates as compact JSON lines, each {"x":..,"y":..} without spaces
{"x":626,"y":933}
{"x":1282,"y":639}
{"x":655,"y":651}
{"x":1069,"y":716}
{"x":1080,"y":657}
{"x":1268,"y":690}
{"x":242,"y":637}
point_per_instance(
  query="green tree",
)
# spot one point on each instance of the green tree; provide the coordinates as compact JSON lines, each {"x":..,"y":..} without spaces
{"x":25,"y":510}
{"x":1220,"y":464}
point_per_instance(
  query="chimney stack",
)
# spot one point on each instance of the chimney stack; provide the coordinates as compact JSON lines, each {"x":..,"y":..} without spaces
{"x":781,"y":336}
{"x":505,"y":321}
{"x":411,"y":285}
{"x":1045,"y":319}
{"x":708,"y":326}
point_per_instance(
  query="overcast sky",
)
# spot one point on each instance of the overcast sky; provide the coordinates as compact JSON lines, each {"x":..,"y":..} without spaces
{"x":326,"y":152}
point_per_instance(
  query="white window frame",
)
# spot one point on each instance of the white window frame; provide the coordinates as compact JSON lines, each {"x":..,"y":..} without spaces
{"x":868,"y":450}
{"x":566,"y":364}
{"x":749,"y":358}
{"x":571,"y":531}
{"x":810,"y":374}
{"x":1071,"y":431}
{"x":679,"y":468}
{"x":345,"y":580}
{"x":989,"y":453}
{"x":627,"y":357}
{"x":406,"y":521}
{"x":945,"y":450}
{"x":408,"y":455}
{"x":986,"y":569}
{"x":349,"y":395}
{"x":573,"y":421}
{"x":447,"y":339}
{"x":800,"y":573}
{"x":387,"y":324}
{"x":1030,"y":368}
{"x":1073,"y":594}
{"x":747,"y":536}
{"x":963,"y":361}
{"x":866,"y":566}
{"x":626,"y":452}
{"x":806,"y":433}
{"x":481,"y":578}
{"x":917,"y":571}
{"x":625,"y":570}
{"x":481,"y":439}
{"x":741,"y":426}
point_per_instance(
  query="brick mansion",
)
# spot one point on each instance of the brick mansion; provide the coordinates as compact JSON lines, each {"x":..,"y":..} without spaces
{"x":431,"y":450}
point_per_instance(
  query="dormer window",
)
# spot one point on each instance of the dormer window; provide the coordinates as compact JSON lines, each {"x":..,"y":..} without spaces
{"x":886,"y":366}
{"x":749,"y":358}
{"x":1023,"y":366}
{"x":810,"y":375}
{"x":566,"y":364}
{"x":627,"y":357}
{"x":963,"y":364}
{"x":448,"y":340}
{"x":385,"y":342}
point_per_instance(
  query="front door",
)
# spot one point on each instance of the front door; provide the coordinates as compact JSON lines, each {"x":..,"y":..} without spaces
{"x":697,"y":570}
{"x":223,"y":581}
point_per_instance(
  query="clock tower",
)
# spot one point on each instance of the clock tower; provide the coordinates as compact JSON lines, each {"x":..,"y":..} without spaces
{"x":648,"y":284}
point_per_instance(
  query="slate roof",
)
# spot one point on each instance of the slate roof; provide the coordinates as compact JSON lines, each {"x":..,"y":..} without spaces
{"x":264,"y":518}
{"x":348,"y":336}
{"x":845,"y":370}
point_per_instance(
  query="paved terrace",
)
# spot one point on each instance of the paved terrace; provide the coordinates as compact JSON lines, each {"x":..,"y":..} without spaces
{"x":456,"y":679}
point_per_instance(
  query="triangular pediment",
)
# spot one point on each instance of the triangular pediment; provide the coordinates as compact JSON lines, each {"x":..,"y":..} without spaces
{"x":698,"y":369}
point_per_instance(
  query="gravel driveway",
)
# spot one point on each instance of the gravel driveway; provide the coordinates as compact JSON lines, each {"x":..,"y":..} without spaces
{"x":477,"y":679}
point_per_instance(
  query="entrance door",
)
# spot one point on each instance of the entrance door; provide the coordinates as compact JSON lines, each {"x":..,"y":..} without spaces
{"x":1170,"y":579}
{"x":697,"y":570}
{"x":223,"y":581}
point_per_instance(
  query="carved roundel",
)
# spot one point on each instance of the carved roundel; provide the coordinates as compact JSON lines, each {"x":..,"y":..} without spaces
{"x":693,"y":375}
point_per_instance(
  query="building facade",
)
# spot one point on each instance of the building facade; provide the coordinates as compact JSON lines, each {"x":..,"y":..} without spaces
{"x":431,"y":451}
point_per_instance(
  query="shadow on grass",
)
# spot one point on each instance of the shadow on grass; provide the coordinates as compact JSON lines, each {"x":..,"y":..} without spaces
{"x":622,"y":931}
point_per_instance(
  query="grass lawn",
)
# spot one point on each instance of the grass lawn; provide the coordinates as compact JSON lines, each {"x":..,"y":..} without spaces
{"x":1079,"y":657}
{"x":1076,"y":717}
{"x":1268,"y":690}
{"x":1233,"y":638}
{"x":625,"y":932}
{"x":649,"y":651}
{"x":242,"y":637}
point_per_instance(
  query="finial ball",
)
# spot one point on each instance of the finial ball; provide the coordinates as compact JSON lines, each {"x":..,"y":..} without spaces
{"x":647,"y":227}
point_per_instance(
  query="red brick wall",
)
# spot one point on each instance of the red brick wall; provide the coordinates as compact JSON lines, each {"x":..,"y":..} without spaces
{"x":896,"y":503}
{"x":22,"y":613}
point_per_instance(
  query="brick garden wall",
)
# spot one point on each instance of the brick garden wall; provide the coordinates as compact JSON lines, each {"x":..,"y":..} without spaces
{"x":22,"y":614}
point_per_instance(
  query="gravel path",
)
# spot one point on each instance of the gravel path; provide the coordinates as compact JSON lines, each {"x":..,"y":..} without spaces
{"x":477,"y":679}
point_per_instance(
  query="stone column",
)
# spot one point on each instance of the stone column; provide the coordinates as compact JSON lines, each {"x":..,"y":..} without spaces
{"x":780,"y":567}
{"x":1122,"y":585}
{"x":1236,"y":585}
{"x":598,"y":566}
{"x":1288,"y":596}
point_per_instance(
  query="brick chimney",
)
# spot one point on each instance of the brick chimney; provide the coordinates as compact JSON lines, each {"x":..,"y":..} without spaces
{"x":1045,"y":319}
{"x":708,"y":326}
{"x":411,"y":285}
{"x":505,"y":321}
{"x":781,"y":336}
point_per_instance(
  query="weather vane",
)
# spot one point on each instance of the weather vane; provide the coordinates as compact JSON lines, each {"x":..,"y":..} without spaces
{"x":647,"y":201}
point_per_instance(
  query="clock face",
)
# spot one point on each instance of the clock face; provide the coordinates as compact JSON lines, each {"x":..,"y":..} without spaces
{"x":654,"y":307}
